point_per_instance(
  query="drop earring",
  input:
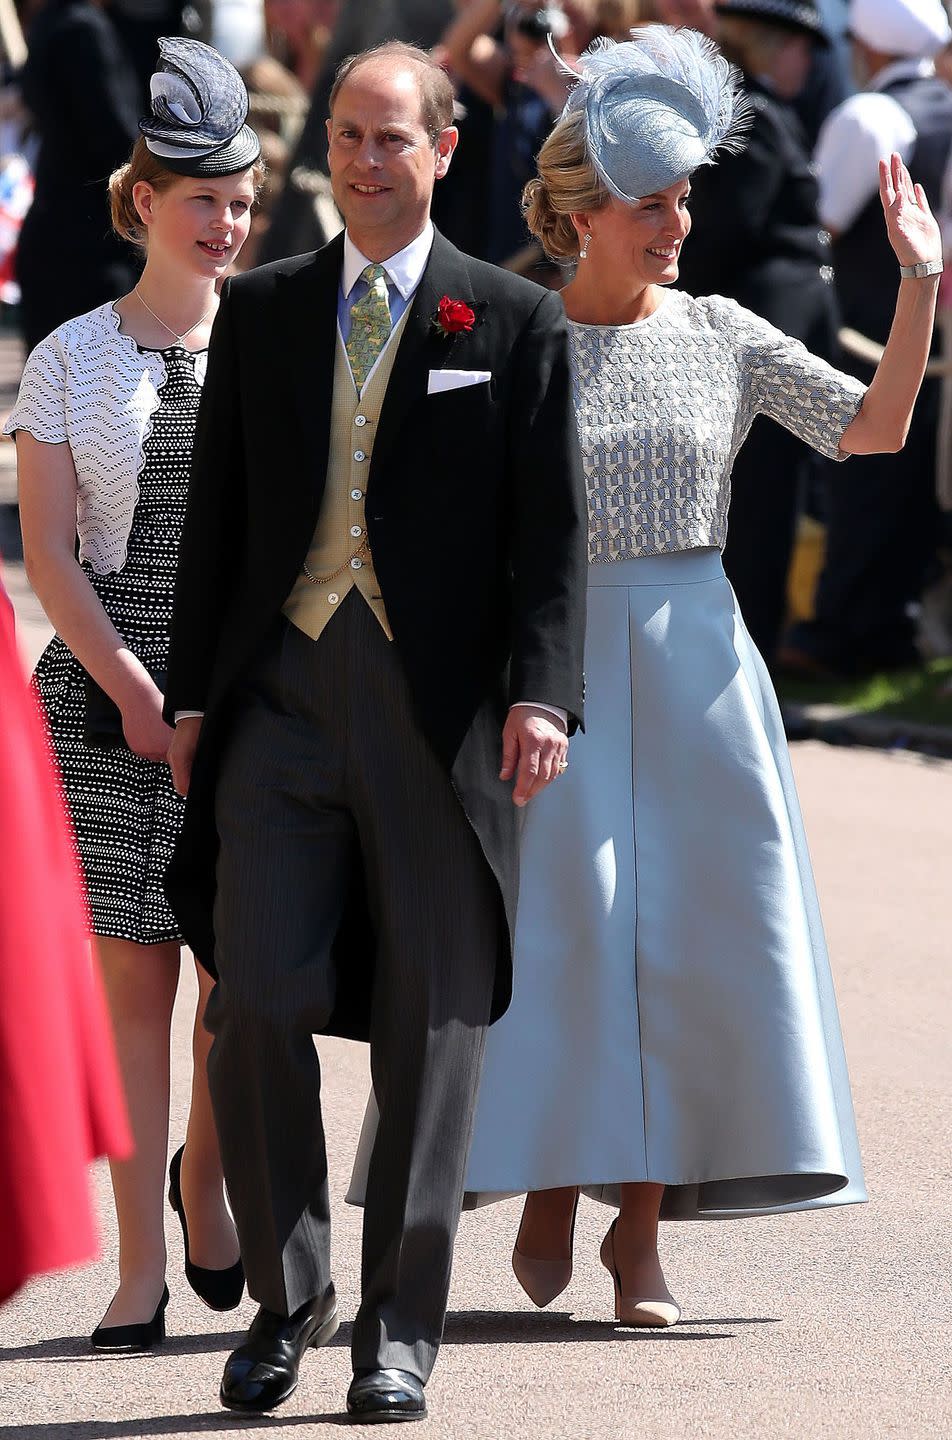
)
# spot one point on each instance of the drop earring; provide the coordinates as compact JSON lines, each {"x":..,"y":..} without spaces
{"x":583,"y":253}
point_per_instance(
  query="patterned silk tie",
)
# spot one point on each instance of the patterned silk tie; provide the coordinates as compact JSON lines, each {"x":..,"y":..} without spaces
{"x":370,"y":325}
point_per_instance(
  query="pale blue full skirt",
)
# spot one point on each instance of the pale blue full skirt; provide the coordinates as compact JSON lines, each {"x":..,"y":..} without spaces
{"x":673,"y":1015}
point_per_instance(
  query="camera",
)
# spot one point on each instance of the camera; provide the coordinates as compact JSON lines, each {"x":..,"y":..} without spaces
{"x":537,"y":24}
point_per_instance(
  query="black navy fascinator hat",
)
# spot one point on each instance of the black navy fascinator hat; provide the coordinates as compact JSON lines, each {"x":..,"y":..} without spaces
{"x":199,"y":107}
{"x":799,"y":15}
{"x":656,"y":107}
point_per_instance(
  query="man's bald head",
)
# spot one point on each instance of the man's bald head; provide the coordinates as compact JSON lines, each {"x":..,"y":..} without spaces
{"x":433,"y":84}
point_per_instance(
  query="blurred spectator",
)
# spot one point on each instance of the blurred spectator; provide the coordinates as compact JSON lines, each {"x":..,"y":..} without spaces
{"x":829,"y":80}
{"x":80,"y":86}
{"x":501,"y":54}
{"x":139,"y":23}
{"x":236,"y":29}
{"x":463,"y":208}
{"x":275,"y":94}
{"x":831,"y":76}
{"x":278,"y":107}
{"x":298,"y":34}
{"x":615,"y":18}
{"x":756,"y":238}
{"x":883,"y":520}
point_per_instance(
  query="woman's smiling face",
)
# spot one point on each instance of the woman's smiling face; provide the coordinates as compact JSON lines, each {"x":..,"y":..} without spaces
{"x":642,"y":239}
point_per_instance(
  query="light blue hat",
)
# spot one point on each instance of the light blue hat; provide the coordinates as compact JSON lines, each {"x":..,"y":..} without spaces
{"x":656,"y":107}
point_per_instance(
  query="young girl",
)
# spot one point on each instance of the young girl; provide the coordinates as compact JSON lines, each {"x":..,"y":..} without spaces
{"x":104,"y":425}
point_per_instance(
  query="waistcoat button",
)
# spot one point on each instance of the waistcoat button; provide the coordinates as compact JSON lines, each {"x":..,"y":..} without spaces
{"x":359,"y":455}
{"x":360,"y":420}
{"x":356,"y":494}
{"x":355,"y":530}
{"x":356,"y":563}
{"x":333,"y":598}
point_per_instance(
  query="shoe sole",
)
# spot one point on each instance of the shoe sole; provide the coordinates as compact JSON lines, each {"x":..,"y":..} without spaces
{"x":321,"y":1336}
{"x":384,"y":1417}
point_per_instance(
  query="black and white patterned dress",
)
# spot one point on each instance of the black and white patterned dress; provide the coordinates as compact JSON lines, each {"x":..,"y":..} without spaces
{"x":125,"y":812}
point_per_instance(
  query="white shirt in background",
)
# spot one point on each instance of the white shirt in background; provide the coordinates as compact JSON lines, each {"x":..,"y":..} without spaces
{"x":859,"y":133}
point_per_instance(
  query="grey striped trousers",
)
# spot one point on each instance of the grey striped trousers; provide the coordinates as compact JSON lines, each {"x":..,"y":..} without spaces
{"x":327,"y":768}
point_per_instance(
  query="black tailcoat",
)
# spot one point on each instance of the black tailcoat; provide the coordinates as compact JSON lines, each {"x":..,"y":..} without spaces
{"x":476,"y":517}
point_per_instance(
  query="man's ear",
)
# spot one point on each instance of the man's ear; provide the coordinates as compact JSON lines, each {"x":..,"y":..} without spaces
{"x":445,"y":145}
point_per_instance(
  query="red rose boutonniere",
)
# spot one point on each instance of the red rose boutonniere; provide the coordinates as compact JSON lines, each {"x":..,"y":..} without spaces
{"x":454,"y":317}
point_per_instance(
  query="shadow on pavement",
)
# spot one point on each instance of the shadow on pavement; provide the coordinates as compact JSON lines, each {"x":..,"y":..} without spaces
{"x":76,"y":1347}
{"x":463,"y":1327}
{"x":521,"y":1327}
{"x":213,"y":1421}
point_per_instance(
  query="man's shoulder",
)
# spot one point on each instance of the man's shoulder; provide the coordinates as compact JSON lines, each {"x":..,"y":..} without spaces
{"x":262,"y":280}
{"x":523,"y":295}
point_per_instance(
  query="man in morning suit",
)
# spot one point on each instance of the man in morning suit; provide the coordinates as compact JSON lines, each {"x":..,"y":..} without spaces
{"x":380,"y":613}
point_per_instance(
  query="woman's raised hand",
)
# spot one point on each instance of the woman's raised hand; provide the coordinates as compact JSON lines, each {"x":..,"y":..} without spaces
{"x":912,"y":228}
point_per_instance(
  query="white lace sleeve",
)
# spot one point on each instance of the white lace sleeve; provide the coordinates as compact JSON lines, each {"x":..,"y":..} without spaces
{"x":41,"y":400}
{"x":793,"y":386}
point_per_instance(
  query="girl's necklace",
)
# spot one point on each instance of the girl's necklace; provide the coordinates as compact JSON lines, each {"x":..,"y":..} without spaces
{"x":180,"y":338}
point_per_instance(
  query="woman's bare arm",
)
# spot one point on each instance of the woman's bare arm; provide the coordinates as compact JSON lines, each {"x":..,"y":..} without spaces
{"x":473,"y":54}
{"x":884,"y":418}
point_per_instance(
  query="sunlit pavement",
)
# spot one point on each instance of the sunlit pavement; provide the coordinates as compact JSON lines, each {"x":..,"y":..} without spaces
{"x":827,"y":1325}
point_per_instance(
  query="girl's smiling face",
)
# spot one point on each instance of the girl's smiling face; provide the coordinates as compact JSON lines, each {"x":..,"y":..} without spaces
{"x":201,"y":223}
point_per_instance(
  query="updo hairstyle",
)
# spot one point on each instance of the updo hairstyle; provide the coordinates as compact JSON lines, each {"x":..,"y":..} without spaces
{"x":144,"y":166}
{"x":567,"y":183}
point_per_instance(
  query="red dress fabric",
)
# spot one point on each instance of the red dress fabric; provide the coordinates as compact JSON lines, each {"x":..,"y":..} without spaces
{"x":61,"y":1102}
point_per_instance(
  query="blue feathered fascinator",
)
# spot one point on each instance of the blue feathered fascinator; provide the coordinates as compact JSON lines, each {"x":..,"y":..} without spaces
{"x":656,"y":107}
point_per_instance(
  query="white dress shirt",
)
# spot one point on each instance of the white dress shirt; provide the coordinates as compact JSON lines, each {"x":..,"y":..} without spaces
{"x":404,"y":272}
{"x":859,"y":133}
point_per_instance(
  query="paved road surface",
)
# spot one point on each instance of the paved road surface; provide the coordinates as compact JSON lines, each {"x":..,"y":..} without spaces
{"x":831,"y":1326}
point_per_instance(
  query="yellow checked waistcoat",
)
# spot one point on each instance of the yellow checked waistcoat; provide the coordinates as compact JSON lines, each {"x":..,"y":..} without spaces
{"x":342,"y":526}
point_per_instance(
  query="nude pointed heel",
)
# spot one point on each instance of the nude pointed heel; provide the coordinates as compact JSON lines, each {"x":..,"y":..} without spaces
{"x":642,"y":1311}
{"x":544,"y":1280}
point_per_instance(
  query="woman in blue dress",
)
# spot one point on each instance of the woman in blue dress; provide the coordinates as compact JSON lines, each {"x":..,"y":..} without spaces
{"x":673,"y":1046}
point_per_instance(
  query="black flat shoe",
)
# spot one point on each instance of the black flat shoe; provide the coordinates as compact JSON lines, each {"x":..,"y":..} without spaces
{"x":132,"y":1339}
{"x":382,"y":1395}
{"x":264,"y":1371}
{"x":219,"y":1289}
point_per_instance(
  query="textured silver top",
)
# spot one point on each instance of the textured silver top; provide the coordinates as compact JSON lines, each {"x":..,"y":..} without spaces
{"x":664,"y":405}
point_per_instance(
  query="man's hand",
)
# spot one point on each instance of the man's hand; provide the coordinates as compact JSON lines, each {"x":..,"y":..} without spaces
{"x":182,"y":751}
{"x":534,"y":747}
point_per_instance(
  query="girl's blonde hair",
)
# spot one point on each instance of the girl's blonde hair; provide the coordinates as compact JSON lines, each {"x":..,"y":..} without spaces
{"x":567,"y":183}
{"x":144,"y":166}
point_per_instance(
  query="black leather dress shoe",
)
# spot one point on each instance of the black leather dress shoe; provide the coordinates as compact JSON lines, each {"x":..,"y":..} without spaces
{"x":264,"y":1371}
{"x":381,"y":1395}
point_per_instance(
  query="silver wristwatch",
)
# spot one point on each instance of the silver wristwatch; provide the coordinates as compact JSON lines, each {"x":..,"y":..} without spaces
{"x":919,"y":272}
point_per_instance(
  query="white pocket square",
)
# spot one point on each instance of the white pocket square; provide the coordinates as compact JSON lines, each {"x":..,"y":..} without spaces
{"x":441,"y":380}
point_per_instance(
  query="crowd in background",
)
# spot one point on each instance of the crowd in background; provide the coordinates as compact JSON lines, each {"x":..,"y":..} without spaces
{"x":761,"y":232}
